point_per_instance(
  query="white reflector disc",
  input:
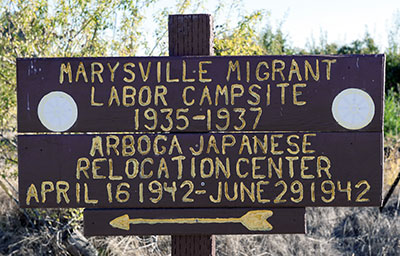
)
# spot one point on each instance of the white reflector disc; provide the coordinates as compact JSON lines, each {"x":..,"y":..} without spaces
{"x":353,"y":109}
{"x":57,"y":111}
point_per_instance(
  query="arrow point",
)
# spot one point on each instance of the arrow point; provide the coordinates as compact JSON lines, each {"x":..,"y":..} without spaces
{"x":257,"y":220}
{"x":121,"y":222}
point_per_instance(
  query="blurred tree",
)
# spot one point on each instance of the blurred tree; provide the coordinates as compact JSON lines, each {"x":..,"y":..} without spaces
{"x":241,"y":40}
{"x":393,"y":56}
{"x":276,"y":42}
{"x":365,"y":46}
{"x":247,"y":39}
{"x":392,"y":72}
{"x":322,"y":47}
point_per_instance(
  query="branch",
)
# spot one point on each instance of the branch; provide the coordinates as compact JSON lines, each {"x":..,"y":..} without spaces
{"x":3,"y":186}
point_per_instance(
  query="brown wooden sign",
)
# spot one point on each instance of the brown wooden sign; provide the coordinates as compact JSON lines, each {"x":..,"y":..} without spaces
{"x":224,"y":142}
{"x":194,"y":221}
{"x":199,"y":94}
{"x":280,"y":169}
{"x":200,"y":145}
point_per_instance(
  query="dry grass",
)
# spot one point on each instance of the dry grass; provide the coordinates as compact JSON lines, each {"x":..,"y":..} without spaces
{"x":133,"y":245}
{"x":392,"y":159}
{"x":330,"y":231}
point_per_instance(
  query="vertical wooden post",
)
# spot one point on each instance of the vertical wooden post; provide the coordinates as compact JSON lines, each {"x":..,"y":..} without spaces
{"x":191,"y":35}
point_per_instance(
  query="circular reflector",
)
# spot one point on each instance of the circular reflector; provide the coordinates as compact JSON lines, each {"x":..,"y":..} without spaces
{"x":57,"y":111}
{"x":353,"y":109}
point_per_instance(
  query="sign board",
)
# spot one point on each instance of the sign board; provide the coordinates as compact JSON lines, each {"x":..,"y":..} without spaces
{"x":194,"y":221}
{"x":200,"y":94}
{"x":200,"y":132}
{"x":200,"y":170}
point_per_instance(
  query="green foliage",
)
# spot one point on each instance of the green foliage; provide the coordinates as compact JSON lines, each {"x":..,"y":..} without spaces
{"x":392,"y":72}
{"x":393,"y":57}
{"x":242,"y":40}
{"x":366,"y":45}
{"x":392,"y":113}
{"x":276,"y":43}
{"x":321,"y":47}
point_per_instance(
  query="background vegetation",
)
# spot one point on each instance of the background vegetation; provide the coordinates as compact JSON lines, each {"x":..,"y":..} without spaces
{"x":32,"y":28}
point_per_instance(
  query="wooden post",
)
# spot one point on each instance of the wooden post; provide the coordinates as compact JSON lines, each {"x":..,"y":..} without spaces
{"x":191,"y":35}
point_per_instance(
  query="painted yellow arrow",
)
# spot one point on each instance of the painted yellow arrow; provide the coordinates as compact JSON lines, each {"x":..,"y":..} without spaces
{"x":252,"y":220}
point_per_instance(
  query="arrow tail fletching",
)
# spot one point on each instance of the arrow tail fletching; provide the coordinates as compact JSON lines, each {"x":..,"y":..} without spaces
{"x":257,"y":220}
